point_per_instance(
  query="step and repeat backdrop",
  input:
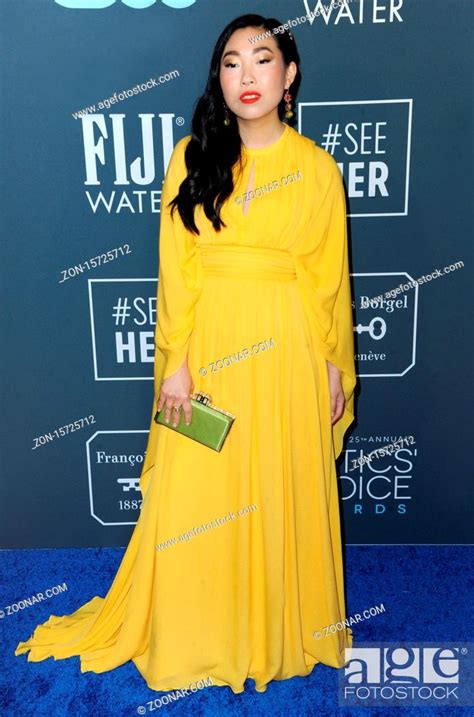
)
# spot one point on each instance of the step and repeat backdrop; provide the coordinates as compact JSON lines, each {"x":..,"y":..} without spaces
{"x":95,"y":95}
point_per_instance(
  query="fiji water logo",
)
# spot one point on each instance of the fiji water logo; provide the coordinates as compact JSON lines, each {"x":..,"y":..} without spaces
{"x":135,"y":4}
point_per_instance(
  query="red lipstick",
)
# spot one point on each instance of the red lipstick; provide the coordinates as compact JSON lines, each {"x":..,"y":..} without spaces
{"x":249,"y":97}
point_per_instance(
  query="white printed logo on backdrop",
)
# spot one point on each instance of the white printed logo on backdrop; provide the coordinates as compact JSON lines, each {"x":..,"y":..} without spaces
{"x":123,"y":320}
{"x":114,"y":465}
{"x":349,"y":13}
{"x":370,"y":141}
{"x":385,"y":484}
{"x":385,"y":327}
{"x":109,"y":140}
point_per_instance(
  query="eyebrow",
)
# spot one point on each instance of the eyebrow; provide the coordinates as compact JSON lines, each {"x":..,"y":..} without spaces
{"x":256,"y":49}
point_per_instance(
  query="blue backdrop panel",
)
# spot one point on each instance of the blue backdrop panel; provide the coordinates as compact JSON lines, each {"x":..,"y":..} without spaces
{"x":95,"y":95}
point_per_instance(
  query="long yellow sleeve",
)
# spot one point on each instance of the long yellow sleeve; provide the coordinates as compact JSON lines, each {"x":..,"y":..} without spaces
{"x":179,"y":277}
{"x":322,"y":267}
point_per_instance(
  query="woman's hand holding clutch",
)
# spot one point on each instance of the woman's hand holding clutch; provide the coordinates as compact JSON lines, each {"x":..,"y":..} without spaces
{"x":175,"y":392}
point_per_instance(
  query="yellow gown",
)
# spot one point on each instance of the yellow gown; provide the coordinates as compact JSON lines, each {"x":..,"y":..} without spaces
{"x":258,"y":309}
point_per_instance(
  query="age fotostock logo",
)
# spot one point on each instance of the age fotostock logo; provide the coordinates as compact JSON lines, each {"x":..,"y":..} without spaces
{"x":408,"y":674}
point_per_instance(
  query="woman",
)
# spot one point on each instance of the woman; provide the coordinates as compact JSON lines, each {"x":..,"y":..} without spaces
{"x":254,"y":308}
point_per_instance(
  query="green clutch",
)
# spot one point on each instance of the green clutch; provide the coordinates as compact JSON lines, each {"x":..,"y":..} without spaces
{"x":209,"y":424}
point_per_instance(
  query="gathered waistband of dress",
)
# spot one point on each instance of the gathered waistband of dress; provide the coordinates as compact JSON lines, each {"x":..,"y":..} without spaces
{"x":247,"y":262}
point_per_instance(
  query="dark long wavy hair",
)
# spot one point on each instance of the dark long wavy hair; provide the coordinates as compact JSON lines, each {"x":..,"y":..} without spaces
{"x":214,"y":148}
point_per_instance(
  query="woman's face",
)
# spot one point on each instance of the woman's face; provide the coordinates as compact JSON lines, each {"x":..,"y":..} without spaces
{"x":256,"y":70}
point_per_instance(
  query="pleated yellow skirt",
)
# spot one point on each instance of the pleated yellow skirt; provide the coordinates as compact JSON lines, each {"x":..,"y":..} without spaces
{"x":259,"y":570}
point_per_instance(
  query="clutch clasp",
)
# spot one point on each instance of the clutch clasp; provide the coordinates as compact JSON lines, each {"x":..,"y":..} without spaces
{"x":202,"y":397}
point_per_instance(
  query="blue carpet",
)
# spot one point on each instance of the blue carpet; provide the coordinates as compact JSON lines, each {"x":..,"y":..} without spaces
{"x":426,"y":590}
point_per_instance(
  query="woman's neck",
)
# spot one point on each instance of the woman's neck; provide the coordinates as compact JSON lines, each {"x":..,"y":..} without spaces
{"x":259,"y":133}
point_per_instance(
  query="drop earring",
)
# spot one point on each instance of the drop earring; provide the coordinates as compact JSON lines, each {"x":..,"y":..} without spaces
{"x":287,"y":97}
{"x":226,"y":115}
